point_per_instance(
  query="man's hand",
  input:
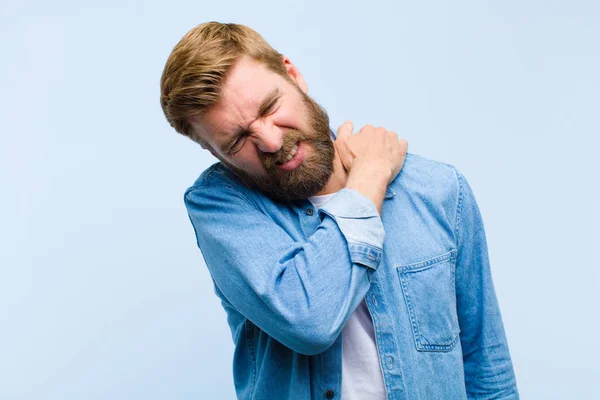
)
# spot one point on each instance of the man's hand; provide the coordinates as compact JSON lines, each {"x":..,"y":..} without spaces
{"x":373,"y":158}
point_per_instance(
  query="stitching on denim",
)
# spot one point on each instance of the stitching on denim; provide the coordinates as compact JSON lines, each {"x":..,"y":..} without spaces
{"x":415,"y":328}
{"x":414,"y":267}
{"x":346,"y":216}
{"x":440,"y":348}
{"x":418,"y":338}
{"x":378,"y":340}
{"x":360,"y":255}
{"x":459,"y":205}
{"x":421,"y":342}
{"x":358,"y":243}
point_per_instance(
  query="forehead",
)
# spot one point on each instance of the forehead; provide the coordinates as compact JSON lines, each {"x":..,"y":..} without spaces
{"x":245,"y":87}
{"x":246,"y":79}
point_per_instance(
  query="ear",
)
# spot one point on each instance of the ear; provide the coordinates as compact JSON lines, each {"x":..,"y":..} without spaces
{"x":295,"y":74}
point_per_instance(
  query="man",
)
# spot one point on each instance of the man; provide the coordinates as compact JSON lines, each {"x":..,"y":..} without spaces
{"x":347,"y":268}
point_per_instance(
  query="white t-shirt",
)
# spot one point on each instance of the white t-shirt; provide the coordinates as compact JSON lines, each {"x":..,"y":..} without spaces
{"x":361,"y":371}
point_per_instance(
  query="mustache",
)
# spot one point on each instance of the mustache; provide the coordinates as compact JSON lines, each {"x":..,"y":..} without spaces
{"x":290,"y":139}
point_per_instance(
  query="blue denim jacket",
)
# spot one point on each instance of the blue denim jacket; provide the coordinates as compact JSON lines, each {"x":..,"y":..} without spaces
{"x":289,"y":278}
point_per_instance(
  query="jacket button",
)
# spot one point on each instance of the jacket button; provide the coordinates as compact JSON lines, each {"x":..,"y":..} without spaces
{"x":329,"y":394}
{"x":310,"y":211}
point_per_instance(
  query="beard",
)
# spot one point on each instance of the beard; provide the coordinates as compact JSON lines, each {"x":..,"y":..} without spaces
{"x":309,"y":177}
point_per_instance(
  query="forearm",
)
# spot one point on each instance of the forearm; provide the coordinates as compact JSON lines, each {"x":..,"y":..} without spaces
{"x":304,"y":298}
{"x":299,"y":292}
{"x":487,"y":363}
{"x":370,"y":182}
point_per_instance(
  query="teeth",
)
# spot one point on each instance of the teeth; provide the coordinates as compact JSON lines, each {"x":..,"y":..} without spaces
{"x":292,"y":153}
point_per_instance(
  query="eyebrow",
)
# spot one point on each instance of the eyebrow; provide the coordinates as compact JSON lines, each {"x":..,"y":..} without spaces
{"x":264,"y":107}
{"x":268,"y":102}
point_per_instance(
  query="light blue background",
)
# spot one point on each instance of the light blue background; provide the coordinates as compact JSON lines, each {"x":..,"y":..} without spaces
{"x":103,"y":293}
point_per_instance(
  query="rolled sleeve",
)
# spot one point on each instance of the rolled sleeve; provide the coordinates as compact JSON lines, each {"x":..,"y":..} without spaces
{"x":360,"y":224}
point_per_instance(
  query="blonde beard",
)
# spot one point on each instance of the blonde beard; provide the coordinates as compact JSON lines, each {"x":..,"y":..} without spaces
{"x":310,"y":176}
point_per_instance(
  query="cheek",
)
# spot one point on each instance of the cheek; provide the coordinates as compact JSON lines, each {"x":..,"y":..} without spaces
{"x":291,"y":116}
{"x":247,"y":160}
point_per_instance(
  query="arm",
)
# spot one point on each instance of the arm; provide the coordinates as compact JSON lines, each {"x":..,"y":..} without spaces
{"x":487,"y":364}
{"x":300,"y":293}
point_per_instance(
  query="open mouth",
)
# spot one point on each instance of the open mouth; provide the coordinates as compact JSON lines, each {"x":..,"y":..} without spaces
{"x":294,"y":158}
{"x":289,"y":156}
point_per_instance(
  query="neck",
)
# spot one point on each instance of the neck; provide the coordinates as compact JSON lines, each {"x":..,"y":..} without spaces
{"x":338,"y":178}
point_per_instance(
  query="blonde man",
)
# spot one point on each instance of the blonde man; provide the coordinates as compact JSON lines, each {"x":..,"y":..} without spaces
{"x":347,"y":268}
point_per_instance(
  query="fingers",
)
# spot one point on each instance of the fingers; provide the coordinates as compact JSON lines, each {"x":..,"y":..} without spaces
{"x":377,"y":145}
{"x":403,"y":146}
{"x":344,"y":132}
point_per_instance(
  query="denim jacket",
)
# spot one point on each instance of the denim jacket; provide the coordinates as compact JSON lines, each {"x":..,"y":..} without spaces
{"x":289,"y":278}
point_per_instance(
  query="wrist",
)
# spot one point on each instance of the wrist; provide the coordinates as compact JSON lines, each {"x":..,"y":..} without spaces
{"x":370,"y":174}
{"x":370,"y":182}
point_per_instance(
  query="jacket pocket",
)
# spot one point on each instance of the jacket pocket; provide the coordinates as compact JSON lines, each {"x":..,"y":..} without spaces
{"x":430,"y":297}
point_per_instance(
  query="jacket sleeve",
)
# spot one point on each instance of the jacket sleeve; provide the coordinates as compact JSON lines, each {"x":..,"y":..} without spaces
{"x":300,"y":293}
{"x":487,"y":365}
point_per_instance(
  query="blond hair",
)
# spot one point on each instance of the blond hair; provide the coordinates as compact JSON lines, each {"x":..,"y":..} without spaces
{"x":191,"y":81}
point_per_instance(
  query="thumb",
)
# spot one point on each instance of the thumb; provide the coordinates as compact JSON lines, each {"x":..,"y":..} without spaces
{"x":344,"y":132}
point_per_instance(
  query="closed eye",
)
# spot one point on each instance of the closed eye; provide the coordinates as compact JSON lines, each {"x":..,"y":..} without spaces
{"x":269,"y":103}
{"x":239,"y":142}
{"x":267,"y":107}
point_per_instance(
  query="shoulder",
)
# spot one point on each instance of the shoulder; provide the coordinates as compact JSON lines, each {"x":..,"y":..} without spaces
{"x":215,"y":175}
{"x":428,"y":182}
{"x":216,"y":184}
{"x":422,"y":173}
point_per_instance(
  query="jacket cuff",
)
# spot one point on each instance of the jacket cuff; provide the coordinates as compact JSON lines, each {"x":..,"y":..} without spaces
{"x":360,"y":223}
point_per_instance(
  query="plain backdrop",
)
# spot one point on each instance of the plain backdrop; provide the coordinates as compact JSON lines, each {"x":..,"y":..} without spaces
{"x":103,"y":292}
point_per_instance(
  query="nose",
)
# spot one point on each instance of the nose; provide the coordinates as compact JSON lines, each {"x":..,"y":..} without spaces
{"x":267,"y":137}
